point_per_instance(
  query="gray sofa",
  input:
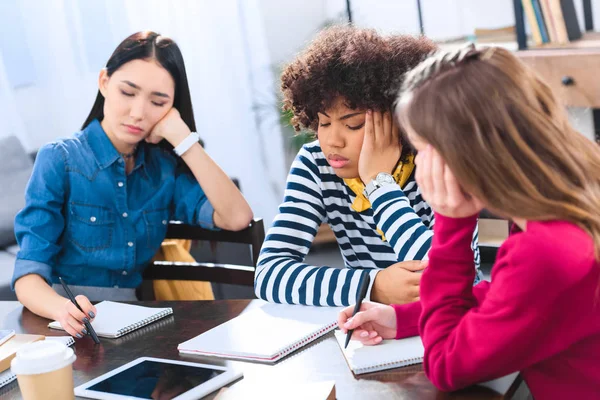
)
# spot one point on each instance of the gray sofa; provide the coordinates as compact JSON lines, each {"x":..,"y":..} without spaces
{"x":15,"y":169}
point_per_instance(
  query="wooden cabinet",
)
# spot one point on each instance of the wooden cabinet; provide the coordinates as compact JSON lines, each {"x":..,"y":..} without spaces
{"x":571,"y":70}
{"x":571,"y":73}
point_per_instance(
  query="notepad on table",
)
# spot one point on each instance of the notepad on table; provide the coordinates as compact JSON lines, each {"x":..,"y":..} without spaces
{"x":388,"y":354}
{"x":265,"y":334}
{"x":114,"y":320}
{"x":399,"y":353}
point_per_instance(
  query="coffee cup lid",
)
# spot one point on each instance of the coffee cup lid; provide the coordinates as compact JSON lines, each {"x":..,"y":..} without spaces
{"x":41,"y":357}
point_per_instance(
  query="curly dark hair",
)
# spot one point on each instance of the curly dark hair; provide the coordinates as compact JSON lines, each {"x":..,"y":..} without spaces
{"x":363,"y":67}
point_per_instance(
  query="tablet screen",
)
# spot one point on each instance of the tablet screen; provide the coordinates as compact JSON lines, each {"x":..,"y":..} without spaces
{"x":155,"y":380}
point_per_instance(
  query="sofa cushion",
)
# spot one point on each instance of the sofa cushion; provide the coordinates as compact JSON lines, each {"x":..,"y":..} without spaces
{"x":15,"y":170}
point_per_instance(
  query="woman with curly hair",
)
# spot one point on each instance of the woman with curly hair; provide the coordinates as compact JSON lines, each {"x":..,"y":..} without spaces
{"x":343,"y":83}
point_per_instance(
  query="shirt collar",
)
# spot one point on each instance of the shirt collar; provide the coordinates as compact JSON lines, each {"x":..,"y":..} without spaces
{"x":103,"y":149}
{"x":140,"y":155}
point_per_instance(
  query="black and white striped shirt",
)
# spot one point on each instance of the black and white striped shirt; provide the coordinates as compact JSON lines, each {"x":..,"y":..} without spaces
{"x":315,"y":194}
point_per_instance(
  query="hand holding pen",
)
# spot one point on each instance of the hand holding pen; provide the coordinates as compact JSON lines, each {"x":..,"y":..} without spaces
{"x":77,"y":314}
{"x":366,"y":321}
{"x":362,"y":292}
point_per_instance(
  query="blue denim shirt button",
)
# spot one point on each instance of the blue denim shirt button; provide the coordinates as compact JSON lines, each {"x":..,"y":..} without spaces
{"x":130,"y":244}
{"x":124,"y":273}
{"x":93,"y":219}
{"x":164,"y":222}
{"x":120,"y":184}
{"x":125,"y":215}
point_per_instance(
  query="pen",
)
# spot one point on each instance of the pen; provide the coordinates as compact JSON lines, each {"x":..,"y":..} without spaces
{"x":362,"y":292}
{"x":88,"y":325}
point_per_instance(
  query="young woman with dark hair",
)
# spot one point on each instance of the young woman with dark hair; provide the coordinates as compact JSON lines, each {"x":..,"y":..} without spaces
{"x":98,"y":203}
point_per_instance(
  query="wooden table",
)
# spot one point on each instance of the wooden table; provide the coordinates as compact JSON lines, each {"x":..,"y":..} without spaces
{"x":320,"y":361}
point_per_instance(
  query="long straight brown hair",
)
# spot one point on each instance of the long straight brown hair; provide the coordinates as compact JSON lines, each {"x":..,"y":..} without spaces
{"x":505,"y":136}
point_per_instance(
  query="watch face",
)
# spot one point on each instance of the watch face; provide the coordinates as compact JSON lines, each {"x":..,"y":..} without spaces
{"x":382,"y":177}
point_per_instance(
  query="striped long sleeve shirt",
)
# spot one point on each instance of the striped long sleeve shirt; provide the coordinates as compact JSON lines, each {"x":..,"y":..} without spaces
{"x":315,"y":194}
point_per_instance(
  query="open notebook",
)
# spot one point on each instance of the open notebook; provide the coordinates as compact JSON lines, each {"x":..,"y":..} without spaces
{"x":117,"y":319}
{"x":7,"y":376}
{"x":264,"y":334}
{"x":399,"y":353}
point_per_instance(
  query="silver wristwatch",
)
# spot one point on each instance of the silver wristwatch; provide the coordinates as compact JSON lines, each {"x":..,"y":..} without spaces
{"x":380,"y":180}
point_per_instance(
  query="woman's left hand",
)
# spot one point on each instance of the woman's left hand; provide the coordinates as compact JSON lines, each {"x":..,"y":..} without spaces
{"x":171,"y":127}
{"x":440,"y":188}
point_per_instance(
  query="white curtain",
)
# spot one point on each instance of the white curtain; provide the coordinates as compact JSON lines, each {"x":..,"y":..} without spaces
{"x":228,"y":66}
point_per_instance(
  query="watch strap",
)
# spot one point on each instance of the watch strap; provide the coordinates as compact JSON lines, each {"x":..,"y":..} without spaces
{"x":186,"y":143}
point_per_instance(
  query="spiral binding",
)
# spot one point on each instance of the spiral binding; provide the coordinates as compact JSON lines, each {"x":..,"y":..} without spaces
{"x":390,"y":365}
{"x":305,"y":340}
{"x":6,"y":377}
{"x":144,"y":322}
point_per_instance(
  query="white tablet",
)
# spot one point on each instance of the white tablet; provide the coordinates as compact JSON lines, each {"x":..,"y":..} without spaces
{"x":154,"y":378}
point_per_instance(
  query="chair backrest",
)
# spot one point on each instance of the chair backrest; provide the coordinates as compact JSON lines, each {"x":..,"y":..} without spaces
{"x":254,"y":236}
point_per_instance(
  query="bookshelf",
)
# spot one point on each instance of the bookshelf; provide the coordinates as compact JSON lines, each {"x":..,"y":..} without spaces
{"x":568,"y":68}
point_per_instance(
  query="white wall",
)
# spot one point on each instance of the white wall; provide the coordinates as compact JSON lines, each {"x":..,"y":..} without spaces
{"x":442,"y":19}
{"x":289,"y":29}
{"x":227,"y":61}
{"x":289,"y":25}
{"x":59,"y":89}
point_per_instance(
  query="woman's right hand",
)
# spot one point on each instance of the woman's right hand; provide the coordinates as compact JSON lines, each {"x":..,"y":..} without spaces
{"x":399,"y":283}
{"x":71,"y":319}
{"x":373,"y":323}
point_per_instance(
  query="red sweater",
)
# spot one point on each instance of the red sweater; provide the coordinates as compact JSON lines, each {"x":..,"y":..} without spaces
{"x":540,"y":315}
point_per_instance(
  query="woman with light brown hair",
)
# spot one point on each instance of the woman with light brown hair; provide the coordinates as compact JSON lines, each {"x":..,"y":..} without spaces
{"x":490,"y":133}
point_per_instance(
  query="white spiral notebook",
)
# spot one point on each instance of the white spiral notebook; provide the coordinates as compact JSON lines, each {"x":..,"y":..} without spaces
{"x":114,"y":320}
{"x":386,"y":355}
{"x":265,"y":334}
{"x":399,"y":353}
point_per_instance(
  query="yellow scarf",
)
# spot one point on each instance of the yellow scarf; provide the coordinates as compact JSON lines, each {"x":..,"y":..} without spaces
{"x":400,"y":174}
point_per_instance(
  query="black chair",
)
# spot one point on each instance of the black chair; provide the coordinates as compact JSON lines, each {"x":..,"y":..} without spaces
{"x":254,"y":236}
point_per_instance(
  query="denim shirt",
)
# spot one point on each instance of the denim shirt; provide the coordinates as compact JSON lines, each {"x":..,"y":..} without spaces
{"x":89,"y":222}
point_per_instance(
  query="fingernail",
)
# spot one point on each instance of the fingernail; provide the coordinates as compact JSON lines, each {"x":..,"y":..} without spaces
{"x":85,"y":319}
{"x":364,"y":334}
{"x":91,"y":314}
{"x":347,"y":324}
{"x":84,"y":331}
{"x":79,"y":336}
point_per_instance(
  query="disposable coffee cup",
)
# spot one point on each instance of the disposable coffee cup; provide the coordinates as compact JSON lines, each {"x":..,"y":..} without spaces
{"x":44,"y":370}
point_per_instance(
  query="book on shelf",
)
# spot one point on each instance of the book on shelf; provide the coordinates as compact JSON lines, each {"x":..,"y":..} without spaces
{"x":552,"y":21}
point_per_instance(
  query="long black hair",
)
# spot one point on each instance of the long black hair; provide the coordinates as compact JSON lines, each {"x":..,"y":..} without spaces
{"x":151,"y":45}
